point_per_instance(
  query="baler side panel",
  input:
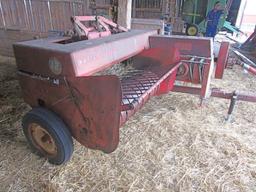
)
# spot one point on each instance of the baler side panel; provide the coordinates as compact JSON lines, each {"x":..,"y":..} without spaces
{"x":36,"y":60}
{"x":199,"y":46}
{"x":101,"y":56}
{"x":99,"y":99}
{"x":196,"y":56}
{"x":222,"y":60}
{"x":89,"y":106}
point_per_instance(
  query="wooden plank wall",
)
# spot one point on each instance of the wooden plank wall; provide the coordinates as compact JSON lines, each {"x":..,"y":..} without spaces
{"x":150,"y":9}
{"x":28,"y":18}
{"x":101,"y":7}
{"x":40,"y":15}
{"x":8,"y":37}
{"x":155,"y":9}
{"x":108,"y":8}
{"x":24,"y":19}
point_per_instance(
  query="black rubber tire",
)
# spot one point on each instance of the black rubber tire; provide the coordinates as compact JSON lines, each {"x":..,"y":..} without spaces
{"x":195,"y":30}
{"x":57,"y":130}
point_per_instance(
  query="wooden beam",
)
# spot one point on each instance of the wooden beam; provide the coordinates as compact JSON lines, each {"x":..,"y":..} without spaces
{"x":124,"y":13}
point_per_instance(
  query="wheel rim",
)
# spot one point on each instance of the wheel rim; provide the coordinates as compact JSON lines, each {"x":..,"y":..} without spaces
{"x":192,"y":31}
{"x":42,"y":139}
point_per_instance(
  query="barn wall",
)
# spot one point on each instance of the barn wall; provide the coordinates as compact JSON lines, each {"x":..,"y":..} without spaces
{"x":24,"y":19}
{"x":8,"y":37}
{"x":148,"y":9}
{"x":154,"y":9}
{"x":28,"y":18}
{"x":40,"y":15}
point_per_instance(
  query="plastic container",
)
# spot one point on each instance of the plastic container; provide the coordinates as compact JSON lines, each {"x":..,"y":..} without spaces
{"x":168,"y":29}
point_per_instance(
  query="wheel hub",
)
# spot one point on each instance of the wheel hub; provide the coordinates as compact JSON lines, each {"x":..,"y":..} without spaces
{"x":192,"y":31}
{"x":43,"y":139}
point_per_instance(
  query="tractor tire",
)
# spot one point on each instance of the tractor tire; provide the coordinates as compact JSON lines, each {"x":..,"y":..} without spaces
{"x":48,"y":136}
{"x":192,"y":30}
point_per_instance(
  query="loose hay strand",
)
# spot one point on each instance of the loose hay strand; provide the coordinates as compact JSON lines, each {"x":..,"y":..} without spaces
{"x":170,"y":145}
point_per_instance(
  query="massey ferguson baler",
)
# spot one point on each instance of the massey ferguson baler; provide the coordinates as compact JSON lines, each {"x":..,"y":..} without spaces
{"x":64,"y":80}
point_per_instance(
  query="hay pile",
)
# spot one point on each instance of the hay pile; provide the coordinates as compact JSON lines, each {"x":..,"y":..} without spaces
{"x":170,"y":145}
{"x":122,"y":70}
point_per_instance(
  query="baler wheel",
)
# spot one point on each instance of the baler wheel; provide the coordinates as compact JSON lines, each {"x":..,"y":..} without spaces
{"x":47,"y":135}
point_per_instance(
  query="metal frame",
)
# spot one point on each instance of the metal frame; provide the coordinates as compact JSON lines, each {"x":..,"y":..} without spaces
{"x":196,"y":56}
{"x":103,"y":28}
{"x":94,"y":106}
{"x":62,"y":75}
{"x":222,"y":60}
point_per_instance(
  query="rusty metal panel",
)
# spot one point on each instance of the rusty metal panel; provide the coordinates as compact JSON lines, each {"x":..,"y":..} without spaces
{"x":99,"y":100}
{"x":197,"y":46}
{"x":94,"y":107}
{"x":85,"y":55}
{"x":92,"y":123}
{"x":222,"y":60}
{"x":89,"y":61}
{"x":196,"y":53}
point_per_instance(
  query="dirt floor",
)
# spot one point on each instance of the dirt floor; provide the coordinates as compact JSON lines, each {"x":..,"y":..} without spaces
{"x":170,"y":145}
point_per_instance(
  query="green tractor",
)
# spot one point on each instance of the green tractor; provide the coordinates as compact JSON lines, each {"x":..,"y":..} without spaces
{"x":194,"y":13}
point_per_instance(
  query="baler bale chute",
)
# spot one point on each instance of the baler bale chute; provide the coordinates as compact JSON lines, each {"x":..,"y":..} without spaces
{"x":63,"y":80}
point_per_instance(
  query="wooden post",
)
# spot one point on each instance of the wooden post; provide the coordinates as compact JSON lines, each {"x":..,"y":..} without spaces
{"x":124,"y":13}
{"x":134,"y":9}
{"x":165,"y":7}
{"x":88,"y":10}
